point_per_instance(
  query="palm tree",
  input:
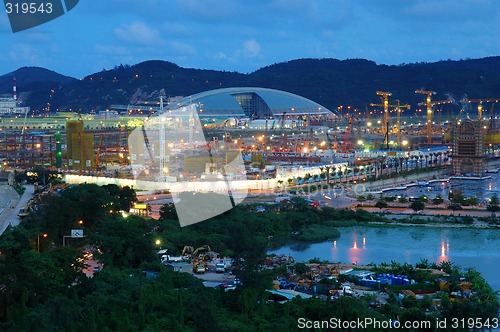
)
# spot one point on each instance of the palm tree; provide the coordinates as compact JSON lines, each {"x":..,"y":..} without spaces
{"x":416,"y":158}
{"x":439,"y":155}
{"x":327,"y":169}
{"x":355,"y":172}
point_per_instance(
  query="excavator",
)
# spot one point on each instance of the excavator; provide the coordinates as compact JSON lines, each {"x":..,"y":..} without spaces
{"x":187,"y":251}
{"x":197,"y":254}
{"x":201,"y":257}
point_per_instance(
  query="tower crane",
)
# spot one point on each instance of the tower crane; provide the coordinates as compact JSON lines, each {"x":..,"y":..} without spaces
{"x":398,"y":121}
{"x":385,"y":124}
{"x":429,"y":104}
{"x":97,"y":161}
{"x":348,"y":130}
{"x":480,"y":104}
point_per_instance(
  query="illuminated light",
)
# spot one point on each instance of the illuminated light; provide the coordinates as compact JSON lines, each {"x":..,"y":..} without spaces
{"x":442,"y":250}
{"x":364,"y":241}
{"x":335,"y":244}
{"x":355,"y":245}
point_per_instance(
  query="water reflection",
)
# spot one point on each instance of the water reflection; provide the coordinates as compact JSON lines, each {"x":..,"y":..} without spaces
{"x":354,"y":254}
{"x":443,"y":257}
{"x":476,"y":248}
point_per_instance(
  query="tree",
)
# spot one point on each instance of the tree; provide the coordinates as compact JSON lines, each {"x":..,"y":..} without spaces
{"x":494,"y":205}
{"x":361,"y":198}
{"x":381,"y":204}
{"x":402,"y":199}
{"x":454,"y":207}
{"x":456,"y":196}
{"x":438,"y":200}
{"x":167,"y":212}
{"x":417,"y":205}
{"x":127,"y":198}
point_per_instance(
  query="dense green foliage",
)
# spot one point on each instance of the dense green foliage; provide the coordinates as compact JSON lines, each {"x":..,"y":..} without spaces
{"x":43,"y":288}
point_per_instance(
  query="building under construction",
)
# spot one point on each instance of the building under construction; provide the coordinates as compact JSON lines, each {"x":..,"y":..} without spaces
{"x":468,"y":147}
{"x":79,"y":146}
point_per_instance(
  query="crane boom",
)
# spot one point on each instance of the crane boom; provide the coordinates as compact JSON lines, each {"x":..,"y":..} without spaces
{"x":480,"y":104}
{"x":429,"y":104}
{"x":346,"y":136}
{"x":385,"y":124}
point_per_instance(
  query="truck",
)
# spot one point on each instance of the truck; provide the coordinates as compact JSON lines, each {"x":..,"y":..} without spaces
{"x":344,"y":290}
{"x":220,"y":268}
{"x":167,"y":259}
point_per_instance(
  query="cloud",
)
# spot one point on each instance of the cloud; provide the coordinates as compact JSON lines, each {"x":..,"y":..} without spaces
{"x":177,"y":29}
{"x":182,"y":48}
{"x":210,"y":10}
{"x":24,"y":54}
{"x":138,"y":33}
{"x":111,"y":49}
{"x":251,"y":49}
{"x":219,"y":56}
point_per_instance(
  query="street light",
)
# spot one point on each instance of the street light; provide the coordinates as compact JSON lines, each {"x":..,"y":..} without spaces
{"x":45,"y":235}
{"x":158,"y":242}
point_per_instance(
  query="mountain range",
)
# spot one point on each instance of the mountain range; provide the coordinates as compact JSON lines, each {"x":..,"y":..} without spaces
{"x":329,"y":82}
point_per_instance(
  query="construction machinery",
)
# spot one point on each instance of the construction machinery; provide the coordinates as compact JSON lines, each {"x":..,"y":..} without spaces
{"x":98,"y":155}
{"x":345,"y":143}
{"x":385,"y":124}
{"x":187,"y":251}
{"x":197,"y":253}
{"x":385,"y":103}
{"x":480,"y":104}
{"x":429,"y":105}
{"x":398,"y":120}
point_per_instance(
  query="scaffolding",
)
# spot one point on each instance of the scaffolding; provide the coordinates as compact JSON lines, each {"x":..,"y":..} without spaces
{"x":468,"y":147}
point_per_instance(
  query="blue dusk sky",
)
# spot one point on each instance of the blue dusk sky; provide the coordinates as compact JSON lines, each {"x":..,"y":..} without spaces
{"x":243,"y":36}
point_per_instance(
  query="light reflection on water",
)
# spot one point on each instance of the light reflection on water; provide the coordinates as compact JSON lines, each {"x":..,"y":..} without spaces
{"x":477,"y":248}
{"x":481,"y":189}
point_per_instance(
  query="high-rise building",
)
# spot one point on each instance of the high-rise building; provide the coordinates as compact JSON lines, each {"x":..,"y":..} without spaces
{"x":80,"y":146}
{"x":468,"y":147}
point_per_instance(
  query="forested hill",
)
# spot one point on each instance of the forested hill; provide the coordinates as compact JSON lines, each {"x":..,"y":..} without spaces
{"x":329,"y":82}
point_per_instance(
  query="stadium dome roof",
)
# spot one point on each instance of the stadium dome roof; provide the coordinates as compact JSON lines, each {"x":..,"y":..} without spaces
{"x":251,"y":102}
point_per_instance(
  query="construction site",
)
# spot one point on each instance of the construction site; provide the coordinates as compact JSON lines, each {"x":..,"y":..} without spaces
{"x":99,"y":146}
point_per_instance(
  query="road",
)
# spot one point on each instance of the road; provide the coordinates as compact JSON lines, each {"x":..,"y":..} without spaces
{"x":11,"y":203}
